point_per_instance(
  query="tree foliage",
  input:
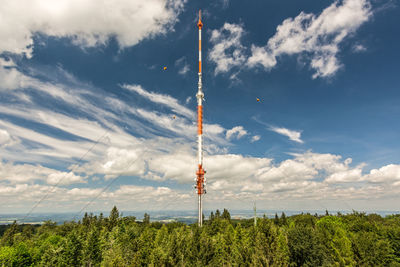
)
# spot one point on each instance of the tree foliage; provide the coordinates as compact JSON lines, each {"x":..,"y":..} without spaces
{"x":355,"y":239}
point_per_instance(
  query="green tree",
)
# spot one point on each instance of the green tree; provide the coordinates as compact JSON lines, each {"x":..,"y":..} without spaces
{"x":51,"y":250}
{"x":336,"y":240}
{"x":206,"y":249}
{"x":281,"y":254}
{"x":371,"y":250}
{"x":8,"y":237}
{"x":72,"y":254}
{"x":393,"y":235}
{"x":146,"y":219}
{"x":304,"y":246}
{"x":145,"y":247}
{"x":113,"y":218}
{"x":283,"y":220}
{"x":161,"y":249}
{"x":276,"y":219}
{"x":211,"y":218}
{"x":226,"y":215}
{"x":217,"y":214}
{"x":92,"y":254}
{"x":17,"y":255}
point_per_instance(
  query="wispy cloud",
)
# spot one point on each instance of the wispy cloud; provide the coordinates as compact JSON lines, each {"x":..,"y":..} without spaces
{"x":292,"y":134}
{"x":165,"y":100}
{"x":182,"y":65}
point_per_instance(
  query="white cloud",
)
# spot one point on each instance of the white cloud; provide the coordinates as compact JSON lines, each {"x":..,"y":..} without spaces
{"x":144,"y":197}
{"x":87,"y":22}
{"x":259,"y":56}
{"x":289,"y":170}
{"x":11,"y":78}
{"x":385,"y":174}
{"x":234,"y":167}
{"x":184,"y":69}
{"x":122,"y":162}
{"x":170,"y":158}
{"x":358,"y":48}
{"x":227,"y":51}
{"x":6,"y":140}
{"x":21,"y":173}
{"x":64,"y":178}
{"x":255,"y":138}
{"x":352,"y":175}
{"x":182,"y":65}
{"x":4,"y":137}
{"x":236,"y":132}
{"x":311,"y":176}
{"x":319,"y":36}
{"x":293,"y":135}
{"x":165,"y":100}
{"x":329,"y":162}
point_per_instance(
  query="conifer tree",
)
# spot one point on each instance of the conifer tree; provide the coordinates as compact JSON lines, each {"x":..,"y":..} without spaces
{"x":146,"y":218}
{"x":113,"y":218}
{"x":276,"y":219}
{"x":217,"y":214}
{"x":211,"y":218}
{"x":226,"y":215}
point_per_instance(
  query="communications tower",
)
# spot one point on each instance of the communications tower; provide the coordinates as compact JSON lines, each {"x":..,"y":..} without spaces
{"x":200,"y":180}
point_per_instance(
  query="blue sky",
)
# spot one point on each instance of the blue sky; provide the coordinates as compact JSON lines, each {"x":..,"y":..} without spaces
{"x":84,"y":100}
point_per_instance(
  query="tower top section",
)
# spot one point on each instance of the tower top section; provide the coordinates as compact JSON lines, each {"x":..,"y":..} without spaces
{"x":199,"y":23}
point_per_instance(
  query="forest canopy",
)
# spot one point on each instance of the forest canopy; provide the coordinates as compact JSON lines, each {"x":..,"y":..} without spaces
{"x":355,"y":239}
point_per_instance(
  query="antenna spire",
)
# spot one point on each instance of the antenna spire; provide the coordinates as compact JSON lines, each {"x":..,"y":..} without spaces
{"x":200,"y":180}
{"x":199,"y":23}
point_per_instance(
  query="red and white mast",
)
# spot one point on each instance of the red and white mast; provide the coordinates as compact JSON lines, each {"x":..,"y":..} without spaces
{"x":200,"y":181}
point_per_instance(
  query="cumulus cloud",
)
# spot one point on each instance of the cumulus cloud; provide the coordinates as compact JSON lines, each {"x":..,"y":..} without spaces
{"x":21,"y":173}
{"x":353,"y":175}
{"x":293,"y":135}
{"x":146,"y":197}
{"x":236,"y":132}
{"x":388,"y":173}
{"x":227,"y":51}
{"x":118,"y":161}
{"x":320,"y":36}
{"x":87,"y":22}
{"x":316,"y":37}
